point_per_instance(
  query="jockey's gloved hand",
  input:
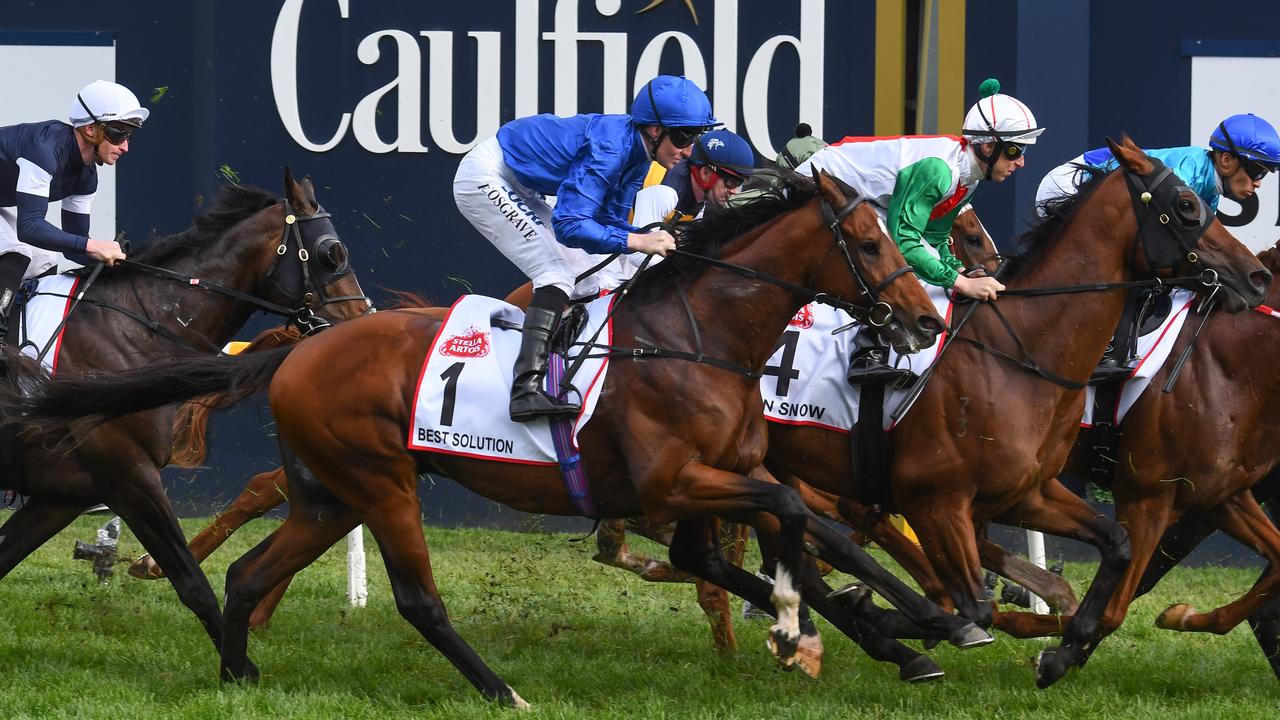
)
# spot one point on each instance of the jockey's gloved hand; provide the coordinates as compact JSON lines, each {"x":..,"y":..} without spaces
{"x":978,"y":288}
{"x":107,"y":251}
{"x":658,"y":242}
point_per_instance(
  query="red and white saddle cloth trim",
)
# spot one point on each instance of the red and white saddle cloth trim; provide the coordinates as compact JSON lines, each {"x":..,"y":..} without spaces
{"x":1153,"y":351}
{"x":805,"y":378}
{"x":42,"y":315}
{"x":463,"y":393}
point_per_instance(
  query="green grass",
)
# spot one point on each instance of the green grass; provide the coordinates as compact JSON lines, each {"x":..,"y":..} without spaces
{"x":575,"y":639}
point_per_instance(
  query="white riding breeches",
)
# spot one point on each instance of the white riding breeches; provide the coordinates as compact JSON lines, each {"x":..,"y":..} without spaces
{"x":41,"y":260}
{"x":1059,"y":183}
{"x":517,"y":221}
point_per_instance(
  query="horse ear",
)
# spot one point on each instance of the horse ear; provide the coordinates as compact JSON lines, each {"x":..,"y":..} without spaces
{"x":1129,"y":155}
{"x":292,"y":190}
{"x":828,"y":188}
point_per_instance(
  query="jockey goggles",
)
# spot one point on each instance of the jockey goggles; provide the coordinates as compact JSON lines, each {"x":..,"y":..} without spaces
{"x":1014,"y":150}
{"x":732,"y":180}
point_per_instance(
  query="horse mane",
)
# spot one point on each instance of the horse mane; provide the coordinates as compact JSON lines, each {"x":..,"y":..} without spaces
{"x":1027,"y":248}
{"x":234,"y":205}
{"x":406,"y":300}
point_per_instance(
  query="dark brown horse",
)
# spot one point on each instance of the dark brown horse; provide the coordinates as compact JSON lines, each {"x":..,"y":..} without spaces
{"x":670,"y":440}
{"x":250,"y":252}
{"x":988,"y":435}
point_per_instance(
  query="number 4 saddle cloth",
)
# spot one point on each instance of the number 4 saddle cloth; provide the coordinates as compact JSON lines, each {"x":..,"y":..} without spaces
{"x":463,"y":393}
{"x":805,"y":381}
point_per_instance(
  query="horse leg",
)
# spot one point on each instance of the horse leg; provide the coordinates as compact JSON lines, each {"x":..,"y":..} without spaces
{"x":32,"y":525}
{"x":1055,"y":590}
{"x":713,"y":599}
{"x":1179,"y":540}
{"x":1242,"y":518}
{"x":881,"y":531}
{"x":264,"y":492}
{"x":1052,"y":508}
{"x":260,"y":619}
{"x":141,"y":503}
{"x":612,"y":550}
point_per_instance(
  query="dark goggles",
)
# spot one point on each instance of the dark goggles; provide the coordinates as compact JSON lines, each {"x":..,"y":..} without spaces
{"x":684,"y":137}
{"x":1013,"y":151}
{"x":1254,"y":169}
{"x":731,"y":180}
{"x":117,"y":133}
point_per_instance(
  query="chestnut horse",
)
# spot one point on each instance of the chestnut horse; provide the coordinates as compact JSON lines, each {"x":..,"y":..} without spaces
{"x":670,"y":440}
{"x":992,"y":428}
{"x":182,"y":295}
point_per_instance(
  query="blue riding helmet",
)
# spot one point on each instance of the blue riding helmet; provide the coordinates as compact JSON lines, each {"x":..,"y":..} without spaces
{"x":672,"y":102}
{"x":1248,"y":137}
{"x":725,"y":150}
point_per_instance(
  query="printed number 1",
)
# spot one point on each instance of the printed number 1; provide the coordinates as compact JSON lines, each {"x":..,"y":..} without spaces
{"x":785,"y":369}
{"x":450,"y":377}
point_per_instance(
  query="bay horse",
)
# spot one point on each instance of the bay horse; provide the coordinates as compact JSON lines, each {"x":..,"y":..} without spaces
{"x":991,"y":430}
{"x":182,"y":295}
{"x":671,"y":440}
{"x":1187,"y":463}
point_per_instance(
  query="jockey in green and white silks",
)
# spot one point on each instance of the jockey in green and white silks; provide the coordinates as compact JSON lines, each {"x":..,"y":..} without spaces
{"x":1243,"y":150}
{"x":918,"y":184}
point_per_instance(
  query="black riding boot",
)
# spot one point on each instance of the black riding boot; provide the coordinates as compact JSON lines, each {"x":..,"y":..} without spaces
{"x":871,"y":364}
{"x":12,"y":267}
{"x":528,"y":400}
{"x":1110,"y":368}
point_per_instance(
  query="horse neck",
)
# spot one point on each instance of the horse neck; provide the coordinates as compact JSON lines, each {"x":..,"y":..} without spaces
{"x":1093,"y":246}
{"x":740,"y":319}
{"x":237,"y":259}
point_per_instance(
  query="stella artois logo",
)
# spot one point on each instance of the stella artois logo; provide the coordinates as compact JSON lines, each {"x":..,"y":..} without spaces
{"x":803,"y":319}
{"x":470,"y":344}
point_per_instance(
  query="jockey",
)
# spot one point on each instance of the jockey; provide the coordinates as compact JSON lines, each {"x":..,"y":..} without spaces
{"x":54,"y":160}
{"x":1242,"y":151}
{"x":593,"y":165}
{"x":720,"y":162}
{"x":918,"y":184}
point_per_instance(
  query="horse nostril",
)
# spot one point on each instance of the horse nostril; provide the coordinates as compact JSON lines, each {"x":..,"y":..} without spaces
{"x":931,"y":324}
{"x":1261,"y":279}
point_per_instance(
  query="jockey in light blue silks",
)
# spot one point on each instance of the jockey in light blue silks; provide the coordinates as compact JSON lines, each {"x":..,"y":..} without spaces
{"x":1242,"y":150}
{"x":53,"y":160}
{"x":593,"y":165}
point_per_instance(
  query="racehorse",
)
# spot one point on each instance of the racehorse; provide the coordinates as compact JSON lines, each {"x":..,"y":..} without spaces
{"x":990,"y":431}
{"x":670,"y":440}
{"x":1186,"y":464}
{"x":182,"y":295}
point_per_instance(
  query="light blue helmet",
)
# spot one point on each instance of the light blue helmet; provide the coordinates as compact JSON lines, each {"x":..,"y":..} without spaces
{"x":726,"y":150}
{"x":672,"y":102}
{"x":1248,"y":137}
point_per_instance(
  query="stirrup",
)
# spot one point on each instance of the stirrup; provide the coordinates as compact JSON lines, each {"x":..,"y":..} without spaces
{"x":871,"y":365}
{"x":529,"y":406}
{"x":1109,"y":370}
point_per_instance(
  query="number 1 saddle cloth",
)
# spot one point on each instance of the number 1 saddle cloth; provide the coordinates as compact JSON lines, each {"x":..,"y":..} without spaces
{"x":463,"y":393}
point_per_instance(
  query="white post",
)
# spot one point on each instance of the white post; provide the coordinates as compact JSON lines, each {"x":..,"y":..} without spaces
{"x":357,"y":587}
{"x":1035,"y":551}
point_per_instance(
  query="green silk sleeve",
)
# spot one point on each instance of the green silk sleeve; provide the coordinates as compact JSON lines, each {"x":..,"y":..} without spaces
{"x":920,"y":187}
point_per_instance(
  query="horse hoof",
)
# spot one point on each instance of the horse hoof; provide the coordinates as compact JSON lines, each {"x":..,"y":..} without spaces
{"x":251,"y":674}
{"x":514,"y":701}
{"x":1050,"y":667}
{"x":970,"y":636}
{"x":809,"y":655}
{"x":782,"y":648}
{"x":1175,"y":617}
{"x":922,"y":669}
{"x":145,"y":568}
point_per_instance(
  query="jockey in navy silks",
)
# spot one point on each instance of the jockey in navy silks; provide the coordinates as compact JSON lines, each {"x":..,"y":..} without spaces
{"x":593,"y":165}
{"x":52,"y":160}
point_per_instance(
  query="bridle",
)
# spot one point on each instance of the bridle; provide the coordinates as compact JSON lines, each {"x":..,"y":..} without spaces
{"x":292,"y":273}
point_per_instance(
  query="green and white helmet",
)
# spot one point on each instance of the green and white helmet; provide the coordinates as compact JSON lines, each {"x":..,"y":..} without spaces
{"x":999,"y":118}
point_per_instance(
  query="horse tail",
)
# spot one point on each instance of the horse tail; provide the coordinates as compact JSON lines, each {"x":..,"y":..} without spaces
{"x":192,"y":421}
{"x":44,"y":404}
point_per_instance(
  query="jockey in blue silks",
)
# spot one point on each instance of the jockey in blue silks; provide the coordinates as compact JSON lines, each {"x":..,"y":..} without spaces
{"x":593,"y":165}
{"x":1242,"y":151}
{"x":54,"y":160}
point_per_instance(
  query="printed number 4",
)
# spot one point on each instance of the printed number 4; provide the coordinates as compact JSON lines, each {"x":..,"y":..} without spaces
{"x":450,"y":377}
{"x":785,"y":369}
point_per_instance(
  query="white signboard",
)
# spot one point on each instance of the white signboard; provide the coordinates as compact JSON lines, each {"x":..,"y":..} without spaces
{"x":1225,"y":86}
{"x":44,"y":90}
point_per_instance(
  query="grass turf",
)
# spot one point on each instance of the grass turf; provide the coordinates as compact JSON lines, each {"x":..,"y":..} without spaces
{"x":575,"y":639}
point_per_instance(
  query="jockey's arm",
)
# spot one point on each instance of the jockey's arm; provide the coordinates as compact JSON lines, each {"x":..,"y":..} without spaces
{"x":654,"y":204}
{"x":582,"y":201}
{"x":33,"y":204}
{"x":919,"y":187}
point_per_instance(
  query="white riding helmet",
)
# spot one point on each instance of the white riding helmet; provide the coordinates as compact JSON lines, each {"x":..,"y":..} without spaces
{"x":999,"y":118}
{"x":102,"y":101}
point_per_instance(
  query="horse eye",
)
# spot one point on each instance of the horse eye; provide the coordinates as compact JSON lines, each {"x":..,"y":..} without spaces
{"x":871,"y":247}
{"x":974,"y":240}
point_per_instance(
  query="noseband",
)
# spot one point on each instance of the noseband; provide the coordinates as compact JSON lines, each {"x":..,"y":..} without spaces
{"x":317,"y":259}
